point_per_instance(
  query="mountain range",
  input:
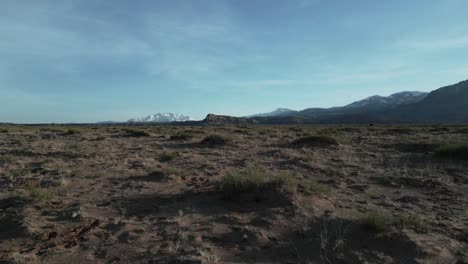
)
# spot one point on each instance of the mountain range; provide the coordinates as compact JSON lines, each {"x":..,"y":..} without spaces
{"x":160,"y":118}
{"x":277,"y":112}
{"x":448,"y":104}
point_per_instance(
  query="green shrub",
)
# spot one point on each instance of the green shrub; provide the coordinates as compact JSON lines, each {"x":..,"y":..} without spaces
{"x":453,"y":151}
{"x":3,"y":130}
{"x":315,"y":141}
{"x":257,"y":182}
{"x":215,"y":140}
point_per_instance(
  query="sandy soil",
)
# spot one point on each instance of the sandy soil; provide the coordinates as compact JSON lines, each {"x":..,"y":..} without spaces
{"x":109,"y":195}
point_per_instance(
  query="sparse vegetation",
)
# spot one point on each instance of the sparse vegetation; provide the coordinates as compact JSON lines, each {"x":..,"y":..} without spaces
{"x":284,"y":183}
{"x":168,"y":156}
{"x":302,"y":204}
{"x":415,"y":222}
{"x":256,"y":181}
{"x":171,"y":171}
{"x":215,"y":140}
{"x":181,"y":136}
{"x":399,"y":131}
{"x":383,"y":222}
{"x":304,"y":157}
{"x":377,"y":222}
{"x":72,"y":131}
{"x":453,"y":151}
{"x":136,"y":133}
{"x":23,"y":258}
{"x":315,"y":141}
{"x":34,"y":192}
{"x":51,"y":129}
{"x":313,"y":187}
{"x":417,"y":146}
{"x":5,"y":159}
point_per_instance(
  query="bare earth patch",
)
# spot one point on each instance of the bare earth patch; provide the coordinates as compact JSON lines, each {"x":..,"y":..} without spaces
{"x":228,"y":194}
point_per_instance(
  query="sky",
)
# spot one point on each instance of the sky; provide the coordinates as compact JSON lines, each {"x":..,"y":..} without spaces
{"x":99,"y":60}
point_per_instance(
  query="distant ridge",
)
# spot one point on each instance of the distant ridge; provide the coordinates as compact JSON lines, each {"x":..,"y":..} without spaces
{"x":448,"y":104}
{"x":381,"y":102}
{"x":277,"y":112}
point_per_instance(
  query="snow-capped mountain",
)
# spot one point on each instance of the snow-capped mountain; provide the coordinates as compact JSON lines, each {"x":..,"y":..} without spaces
{"x":160,"y":118}
{"x":393,"y":100}
{"x":277,"y":112}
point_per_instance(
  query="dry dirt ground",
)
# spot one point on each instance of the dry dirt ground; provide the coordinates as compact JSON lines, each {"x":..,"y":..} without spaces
{"x":153,"y":194}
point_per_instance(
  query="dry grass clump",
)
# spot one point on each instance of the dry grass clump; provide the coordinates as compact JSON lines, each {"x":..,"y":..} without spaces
{"x":301,"y":157}
{"x":377,"y":222}
{"x":135,"y":133}
{"x":168,"y":156}
{"x":50,"y":129}
{"x":23,"y":258}
{"x":414,"y":221}
{"x":172,"y":171}
{"x":34,"y":192}
{"x":258,"y":182}
{"x":4,"y":130}
{"x":72,"y":131}
{"x":315,"y":141}
{"x":6,"y":159}
{"x":215,"y":140}
{"x":399,"y":131}
{"x":418,"y":146}
{"x":314,"y":187}
{"x":453,"y":151}
{"x":181,"y":136}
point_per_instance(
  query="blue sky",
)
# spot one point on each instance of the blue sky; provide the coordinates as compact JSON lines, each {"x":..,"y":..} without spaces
{"x":95,"y":60}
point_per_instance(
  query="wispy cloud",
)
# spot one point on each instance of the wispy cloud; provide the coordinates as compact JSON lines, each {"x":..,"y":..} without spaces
{"x":176,"y":42}
{"x":341,"y":76}
{"x":454,"y":42}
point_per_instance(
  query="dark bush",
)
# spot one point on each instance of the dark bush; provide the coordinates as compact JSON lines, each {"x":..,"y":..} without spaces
{"x":136,"y":133}
{"x":418,"y":146}
{"x":315,"y":141}
{"x":215,"y":140}
{"x":181,"y":136}
{"x":453,"y":151}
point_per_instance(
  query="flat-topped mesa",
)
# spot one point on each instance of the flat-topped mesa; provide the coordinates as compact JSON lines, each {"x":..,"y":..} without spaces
{"x":213,"y":119}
